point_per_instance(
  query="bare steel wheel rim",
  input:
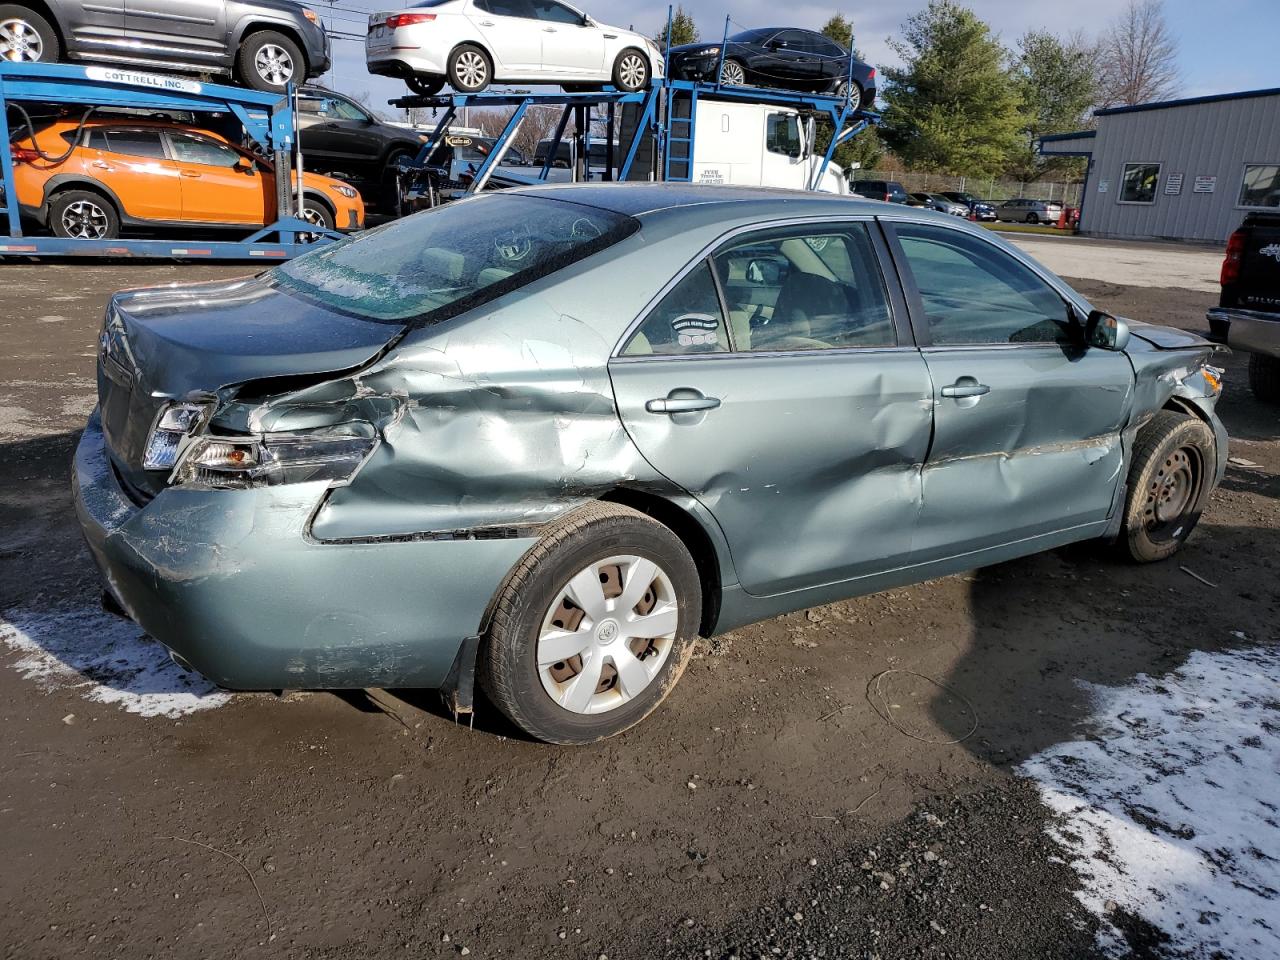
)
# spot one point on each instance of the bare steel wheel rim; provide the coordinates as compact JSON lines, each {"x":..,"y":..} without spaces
{"x":274,"y":64}
{"x":633,"y":71}
{"x":1171,"y":494}
{"x":732,"y":74}
{"x":85,"y":220}
{"x":470,"y":70}
{"x":20,"y":42}
{"x":607,"y":634}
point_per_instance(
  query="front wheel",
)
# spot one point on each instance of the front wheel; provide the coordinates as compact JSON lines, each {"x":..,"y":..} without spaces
{"x":733,"y":73}
{"x":1032,"y":218}
{"x":26,"y":37}
{"x":270,"y":61}
{"x":1170,"y":477}
{"x":631,"y":71}
{"x":318,"y":215}
{"x":83,"y":215}
{"x":593,"y":628}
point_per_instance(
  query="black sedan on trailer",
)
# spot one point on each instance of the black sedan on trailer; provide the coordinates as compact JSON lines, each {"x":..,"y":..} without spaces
{"x":778,"y":57}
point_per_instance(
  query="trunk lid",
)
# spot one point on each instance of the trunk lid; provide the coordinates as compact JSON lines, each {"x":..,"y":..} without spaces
{"x":1257,"y":286}
{"x":169,"y":343}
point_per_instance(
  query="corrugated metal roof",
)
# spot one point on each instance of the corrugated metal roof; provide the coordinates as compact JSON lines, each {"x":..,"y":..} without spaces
{"x":1190,"y":101}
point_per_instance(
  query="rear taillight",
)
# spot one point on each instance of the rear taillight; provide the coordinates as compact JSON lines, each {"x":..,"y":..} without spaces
{"x":872,"y":74}
{"x":396,"y":21}
{"x":24,"y":154}
{"x":1231,"y":263}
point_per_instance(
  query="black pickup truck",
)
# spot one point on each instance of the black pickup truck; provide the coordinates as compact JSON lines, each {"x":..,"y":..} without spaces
{"x":1248,"y":314}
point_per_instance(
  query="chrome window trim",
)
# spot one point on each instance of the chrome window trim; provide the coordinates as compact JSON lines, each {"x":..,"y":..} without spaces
{"x":708,"y":250}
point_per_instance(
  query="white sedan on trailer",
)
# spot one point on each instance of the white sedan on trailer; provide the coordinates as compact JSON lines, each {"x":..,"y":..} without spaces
{"x":472,"y":43}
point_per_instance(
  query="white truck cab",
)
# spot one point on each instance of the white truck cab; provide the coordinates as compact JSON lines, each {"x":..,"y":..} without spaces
{"x":759,"y":144}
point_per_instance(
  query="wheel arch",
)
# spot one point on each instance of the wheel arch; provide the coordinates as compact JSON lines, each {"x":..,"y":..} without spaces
{"x":43,"y":9}
{"x":254,"y":25}
{"x":324,"y":201}
{"x":483,"y":48}
{"x":71,"y":181}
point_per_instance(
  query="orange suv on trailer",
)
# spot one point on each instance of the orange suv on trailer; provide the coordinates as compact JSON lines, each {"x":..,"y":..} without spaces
{"x":123,"y":173}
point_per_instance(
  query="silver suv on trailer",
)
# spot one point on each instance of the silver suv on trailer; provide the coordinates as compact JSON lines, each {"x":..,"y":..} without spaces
{"x":263,"y":44}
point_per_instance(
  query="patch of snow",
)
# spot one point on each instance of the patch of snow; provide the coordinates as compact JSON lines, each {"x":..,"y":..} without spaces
{"x":109,"y":659}
{"x":1171,"y":807}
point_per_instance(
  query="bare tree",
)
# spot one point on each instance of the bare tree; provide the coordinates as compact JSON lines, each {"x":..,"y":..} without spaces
{"x":539,"y":123}
{"x":1139,"y":56}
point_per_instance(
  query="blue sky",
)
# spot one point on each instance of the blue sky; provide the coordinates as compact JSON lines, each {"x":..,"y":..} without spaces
{"x":1223,"y":47}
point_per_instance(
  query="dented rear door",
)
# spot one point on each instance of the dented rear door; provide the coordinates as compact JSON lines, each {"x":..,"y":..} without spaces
{"x":1026,"y":421}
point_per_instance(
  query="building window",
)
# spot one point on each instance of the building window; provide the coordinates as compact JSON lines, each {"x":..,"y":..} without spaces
{"x":1261,"y":187}
{"x":1138,"y":183}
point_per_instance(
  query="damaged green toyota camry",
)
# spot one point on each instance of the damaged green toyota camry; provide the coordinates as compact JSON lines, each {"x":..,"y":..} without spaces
{"x":544,"y":439}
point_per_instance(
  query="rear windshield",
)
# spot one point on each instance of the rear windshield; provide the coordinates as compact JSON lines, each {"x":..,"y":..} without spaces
{"x":441,"y":262}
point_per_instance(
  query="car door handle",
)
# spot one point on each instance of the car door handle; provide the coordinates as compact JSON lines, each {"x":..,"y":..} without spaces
{"x":670,"y":404}
{"x":102,"y":165}
{"x":193,"y":174}
{"x":548,"y":29}
{"x":486,"y":23}
{"x":966,"y":387}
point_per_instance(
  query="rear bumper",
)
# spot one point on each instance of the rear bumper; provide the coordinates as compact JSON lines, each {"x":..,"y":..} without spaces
{"x":231,"y":582}
{"x":403,"y":64}
{"x":1249,"y":330}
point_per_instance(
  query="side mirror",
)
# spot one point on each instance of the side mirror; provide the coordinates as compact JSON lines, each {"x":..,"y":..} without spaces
{"x":1106,"y":332}
{"x":244,"y":164}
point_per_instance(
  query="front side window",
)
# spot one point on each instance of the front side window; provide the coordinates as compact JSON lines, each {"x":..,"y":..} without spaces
{"x":331,"y":108}
{"x":209,"y":153}
{"x":975,"y":293}
{"x":805,"y":288}
{"x":687,"y":320}
{"x":782,"y":134}
{"x":441,"y":262}
{"x":1261,"y":187}
{"x":555,"y":12}
{"x":1138,"y":182}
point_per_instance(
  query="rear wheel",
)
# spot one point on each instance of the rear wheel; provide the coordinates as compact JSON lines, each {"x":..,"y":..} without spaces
{"x":848,"y":91}
{"x":83,"y":215}
{"x":270,"y":61}
{"x":1264,"y":377}
{"x":594,"y":627}
{"x":1169,"y":481}
{"x":26,"y":37}
{"x":1032,"y":218}
{"x":424,"y":85}
{"x":469,"y":69}
{"x":631,"y":71}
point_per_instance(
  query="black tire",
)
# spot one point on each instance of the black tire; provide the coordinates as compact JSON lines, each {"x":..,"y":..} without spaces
{"x":631,"y":71}
{"x":1264,"y":377}
{"x":424,"y":85}
{"x":389,"y":195}
{"x":318,"y":213}
{"x":470,"y":68}
{"x":83,"y":215}
{"x":282,"y":62}
{"x":852,"y":92}
{"x":738,"y":68}
{"x":1170,"y":477}
{"x":508,"y":668}
{"x":1032,"y":218}
{"x":27,"y":37}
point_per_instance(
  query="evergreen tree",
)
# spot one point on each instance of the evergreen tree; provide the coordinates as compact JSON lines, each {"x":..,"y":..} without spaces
{"x":954,"y":107}
{"x":683,"y":29}
{"x":1059,"y":85}
{"x":864,"y":150}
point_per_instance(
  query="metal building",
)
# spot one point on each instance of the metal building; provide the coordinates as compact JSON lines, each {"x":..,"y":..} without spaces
{"x":1178,"y":170}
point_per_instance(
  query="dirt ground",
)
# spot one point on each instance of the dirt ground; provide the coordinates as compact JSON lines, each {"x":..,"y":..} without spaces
{"x":765,"y":810}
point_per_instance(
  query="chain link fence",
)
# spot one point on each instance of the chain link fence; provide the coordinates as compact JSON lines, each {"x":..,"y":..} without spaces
{"x":997,"y":189}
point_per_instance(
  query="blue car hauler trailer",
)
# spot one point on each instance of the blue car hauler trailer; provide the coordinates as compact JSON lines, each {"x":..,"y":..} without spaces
{"x":267,"y":118}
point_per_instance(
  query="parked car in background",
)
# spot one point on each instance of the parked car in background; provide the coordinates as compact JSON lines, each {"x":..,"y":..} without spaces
{"x":890,"y":191}
{"x":470,"y":44}
{"x":979,"y":209}
{"x":1247,"y":317}
{"x":936,"y":201}
{"x":406,"y":424}
{"x":263,"y":44}
{"x":1029,"y":211}
{"x":785,"y":57}
{"x":343,"y":139}
{"x":127,"y":173}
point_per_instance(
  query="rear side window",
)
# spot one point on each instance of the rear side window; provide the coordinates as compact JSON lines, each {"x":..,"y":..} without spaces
{"x":687,"y":320}
{"x":441,"y":262}
{"x":975,"y":293}
{"x":130,"y":143}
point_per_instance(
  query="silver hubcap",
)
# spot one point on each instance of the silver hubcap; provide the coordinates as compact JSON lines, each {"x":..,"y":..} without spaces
{"x":607,"y":635}
{"x":19,"y":42}
{"x":632,"y":71}
{"x":274,"y":65}
{"x":85,"y":220}
{"x":470,"y":70}
{"x":732,"y":74}
{"x":314,"y":217}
